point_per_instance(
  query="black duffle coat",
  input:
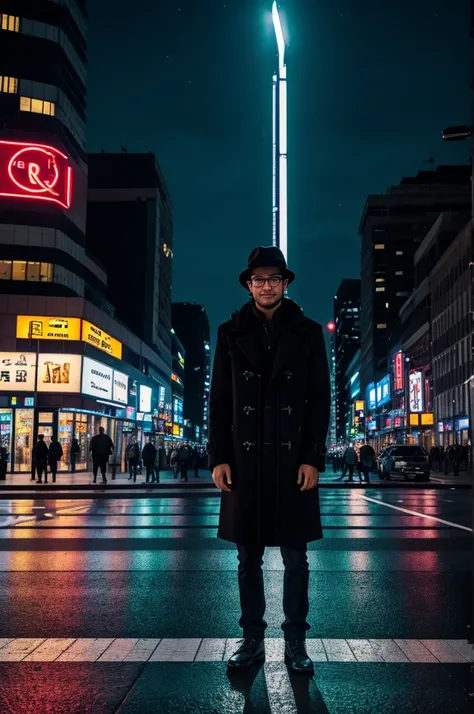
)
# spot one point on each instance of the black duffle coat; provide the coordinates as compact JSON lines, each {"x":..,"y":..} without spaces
{"x":265,"y":429}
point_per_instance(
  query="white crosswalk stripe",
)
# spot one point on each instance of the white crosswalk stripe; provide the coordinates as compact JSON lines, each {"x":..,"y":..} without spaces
{"x":128,"y":649}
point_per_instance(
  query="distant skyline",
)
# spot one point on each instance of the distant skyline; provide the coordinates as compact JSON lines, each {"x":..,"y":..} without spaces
{"x":370,"y":88}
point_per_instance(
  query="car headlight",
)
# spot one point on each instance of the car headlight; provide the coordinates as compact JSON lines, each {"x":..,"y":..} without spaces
{"x":399,"y":464}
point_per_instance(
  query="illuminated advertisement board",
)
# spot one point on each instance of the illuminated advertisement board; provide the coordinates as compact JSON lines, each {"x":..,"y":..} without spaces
{"x":371,"y":396}
{"x":145,"y":398}
{"x":37,"y":172}
{"x":95,"y":336}
{"x":17,"y":371}
{"x":383,"y":390}
{"x":120,"y":388}
{"x":58,"y":372}
{"x":398,"y":372}
{"x":415,"y":382}
{"x":48,"y":328}
{"x":97,"y":379}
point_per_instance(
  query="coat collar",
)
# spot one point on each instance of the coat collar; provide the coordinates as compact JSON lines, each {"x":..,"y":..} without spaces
{"x":292,"y":337}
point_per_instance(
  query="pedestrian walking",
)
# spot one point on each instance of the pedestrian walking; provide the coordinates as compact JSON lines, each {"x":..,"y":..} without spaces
{"x":196,"y":462}
{"x":149,"y":458}
{"x":350,"y":461}
{"x":182,"y":458}
{"x":40,"y":459}
{"x":100,"y":448}
{"x":75,"y":451}
{"x":54,"y":456}
{"x":268,"y":421}
{"x":367,"y":461}
{"x":174,"y":463}
{"x":133,"y":458}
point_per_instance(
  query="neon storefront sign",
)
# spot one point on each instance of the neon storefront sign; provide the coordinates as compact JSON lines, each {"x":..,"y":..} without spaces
{"x":35,"y":171}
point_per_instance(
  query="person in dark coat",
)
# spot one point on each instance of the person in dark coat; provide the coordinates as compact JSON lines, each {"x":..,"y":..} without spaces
{"x":367,"y":460}
{"x":101,"y":447}
{"x":149,"y":458}
{"x":268,"y":421}
{"x":40,"y":458}
{"x":350,"y":461}
{"x":75,"y":451}
{"x":54,"y":455}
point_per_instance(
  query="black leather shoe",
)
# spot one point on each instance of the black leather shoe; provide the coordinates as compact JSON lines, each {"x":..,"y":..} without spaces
{"x":297,"y":658}
{"x":249,"y":652}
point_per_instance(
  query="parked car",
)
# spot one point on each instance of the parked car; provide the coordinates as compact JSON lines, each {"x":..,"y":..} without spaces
{"x":404,"y":460}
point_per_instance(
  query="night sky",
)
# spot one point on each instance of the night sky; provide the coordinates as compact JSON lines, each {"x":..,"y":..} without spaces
{"x":371,"y":84}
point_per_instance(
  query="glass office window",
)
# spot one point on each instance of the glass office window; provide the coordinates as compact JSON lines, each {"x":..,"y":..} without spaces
{"x":19,"y":270}
{"x":5,"y":269}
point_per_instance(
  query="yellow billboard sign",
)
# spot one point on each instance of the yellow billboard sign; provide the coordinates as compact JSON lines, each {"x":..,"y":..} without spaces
{"x":93,"y":335}
{"x":32,"y":327}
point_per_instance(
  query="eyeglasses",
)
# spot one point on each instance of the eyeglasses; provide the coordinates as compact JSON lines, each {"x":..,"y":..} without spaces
{"x":273,"y":281}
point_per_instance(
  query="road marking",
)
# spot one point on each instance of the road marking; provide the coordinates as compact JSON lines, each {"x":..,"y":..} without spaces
{"x":128,"y":649}
{"x":415,"y":513}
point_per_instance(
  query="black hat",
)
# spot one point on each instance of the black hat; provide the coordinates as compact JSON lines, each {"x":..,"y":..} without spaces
{"x":266,"y":257}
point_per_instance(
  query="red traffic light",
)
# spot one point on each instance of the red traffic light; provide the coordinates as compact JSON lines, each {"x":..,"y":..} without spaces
{"x":331,"y":326}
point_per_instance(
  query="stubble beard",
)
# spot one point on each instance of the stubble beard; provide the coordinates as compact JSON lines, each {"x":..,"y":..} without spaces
{"x":269,"y":305}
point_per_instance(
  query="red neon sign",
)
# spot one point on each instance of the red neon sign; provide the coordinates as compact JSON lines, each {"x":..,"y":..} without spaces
{"x":398,"y":371}
{"x":35,"y":171}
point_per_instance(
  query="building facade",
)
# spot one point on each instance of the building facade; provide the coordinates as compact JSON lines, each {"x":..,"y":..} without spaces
{"x":129,"y":228}
{"x":392,"y":227}
{"x":191,"y":325}
{"x":451,"y":314}
{"x":346,"y":344}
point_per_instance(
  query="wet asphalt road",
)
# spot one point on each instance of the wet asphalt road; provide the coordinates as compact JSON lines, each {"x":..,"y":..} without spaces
{"x":393,"y":565}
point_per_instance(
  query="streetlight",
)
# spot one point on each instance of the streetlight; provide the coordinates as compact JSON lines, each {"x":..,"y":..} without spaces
{"x":279,"y":141}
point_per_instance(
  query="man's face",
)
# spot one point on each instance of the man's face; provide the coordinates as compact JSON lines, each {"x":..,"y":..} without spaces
{"x":267,"y":287}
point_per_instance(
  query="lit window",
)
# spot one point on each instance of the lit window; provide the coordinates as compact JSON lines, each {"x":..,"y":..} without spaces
{"x":399,"y":272}
{"x":399,"y":252}
{"x":19,"y":270}
{"x":9,"y":85}
{"x":5,"y":269}
{"x":167,"y":251}
{"x":379,"y":280}
{"x":38,"y":106}
{"x":33,"y":272}
{"x":10,"y":22}
{"x":379,"y":290}
{"x":387,"y":305}
{"x":379,"y":246}
{"x":381,"y":326}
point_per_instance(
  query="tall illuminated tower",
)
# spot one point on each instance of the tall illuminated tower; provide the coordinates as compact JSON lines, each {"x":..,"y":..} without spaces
{"x":280,"y":231}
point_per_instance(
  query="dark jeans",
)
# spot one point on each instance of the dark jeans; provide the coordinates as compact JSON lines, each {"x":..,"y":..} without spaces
{"x":365,"y":470}
{"x":132,"y":468}
{"x":184,"y":472}
{"x":53,"y":466}
{"x":40,"y":469}
{"x":100,"y":463}
{"x":295,"y":592}
{"x":150,"y":472}
{"x":73,"y":462}
{"x":350,"y":468}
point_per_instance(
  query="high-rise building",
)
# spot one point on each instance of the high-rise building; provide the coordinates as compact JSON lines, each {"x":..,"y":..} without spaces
{"x":279,"y":142}
{"x":346,"y":344}
{"x":130,"y":230}
{"x":67,"y":366}
{"x":43,"y":170}
{"x":392,"y":227}
{"x":191,"y":324}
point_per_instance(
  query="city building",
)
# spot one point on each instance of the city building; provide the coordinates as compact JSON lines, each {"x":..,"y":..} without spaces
{"x":451,"y":315}
{"x":346,"y":344}
{"x":355,"y":419}
{"x":129,"y":229}
{"x":279,"y":142}
{"x":177,"y":389}
{"x":191,"y":325}
{"x":67,"y":365}
{"x":392,"y":227}
{"x":416,"y":398}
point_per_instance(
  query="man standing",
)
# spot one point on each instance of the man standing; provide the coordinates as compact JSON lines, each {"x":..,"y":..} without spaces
{"x":182,"y":457}
{"x":40,"y":458}
{"x":149,"y":458}
{"x":101,"y":447}
{"x":367,"y":460}
{"x":268,"y":419}
{"x":55,"y":454}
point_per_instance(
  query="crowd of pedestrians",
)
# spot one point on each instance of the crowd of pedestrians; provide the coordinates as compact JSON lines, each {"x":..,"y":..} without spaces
{"x":154,"y":459}
{"x":348,"y":459}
